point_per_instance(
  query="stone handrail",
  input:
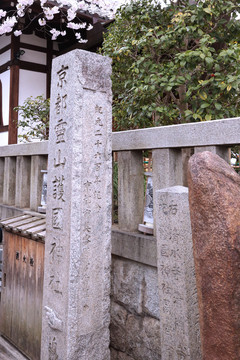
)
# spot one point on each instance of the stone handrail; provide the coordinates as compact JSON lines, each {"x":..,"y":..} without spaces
{"x":20,"y":174}
{"x":217,"y":132}
{"x":171,"y":148}
{"x":21,"y":165}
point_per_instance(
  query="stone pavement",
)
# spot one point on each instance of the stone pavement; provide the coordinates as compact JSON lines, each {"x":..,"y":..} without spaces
{"x":9,"y":352}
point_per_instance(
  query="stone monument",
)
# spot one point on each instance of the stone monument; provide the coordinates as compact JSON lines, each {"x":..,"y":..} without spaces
{"x":214,"y":195}
{"x":76,"y":298}
{"x":180,"y":332}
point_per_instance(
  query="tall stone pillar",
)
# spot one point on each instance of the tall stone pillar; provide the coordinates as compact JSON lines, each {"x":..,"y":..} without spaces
{"x":75,"y":324}
{"x":180,"y":332}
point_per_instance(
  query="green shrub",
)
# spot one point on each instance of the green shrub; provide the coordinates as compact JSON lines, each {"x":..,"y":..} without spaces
{"x":34,"y":118}
{"x":175,"y":64}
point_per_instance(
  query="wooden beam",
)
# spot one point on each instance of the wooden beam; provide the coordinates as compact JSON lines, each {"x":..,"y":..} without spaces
{"x":3,"y":128}
{"x":14,"y":91}
{"x":26,"y":65}
{"x":33,"y":47}
{"x":49,"y":65}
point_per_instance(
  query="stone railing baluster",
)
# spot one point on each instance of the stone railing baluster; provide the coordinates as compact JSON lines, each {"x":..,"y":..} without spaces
{"x":9,"y":180}
{"x":23,"y":171}
{"x":130,"y":189}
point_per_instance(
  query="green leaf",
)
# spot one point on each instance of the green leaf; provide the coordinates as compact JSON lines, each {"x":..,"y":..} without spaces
{"x":197,"y":116}
{"x":209,"y":60}
{"x":208,"y":117}
{"x":203,"y":95}
{"x":218,"y":106}
{"x":188,"y":112}
{"x":204,"y":105}
{"x":208,"y":10}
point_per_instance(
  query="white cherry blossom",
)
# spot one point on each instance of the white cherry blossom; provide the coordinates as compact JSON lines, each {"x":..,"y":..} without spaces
{"x":42,"y":21}
{"x":2,"y":13}
{"x":55,"y":33}
{"x":76,"y":26}
{"x":90,"y":27}
{"x":50,"y":12}
{"x":68,"y":10}
{"x":17,"y":32}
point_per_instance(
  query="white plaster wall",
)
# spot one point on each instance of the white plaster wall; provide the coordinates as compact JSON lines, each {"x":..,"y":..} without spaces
{"x":5,"y":57}
{"x":33,"y":40}
{"x":31,"y":84}
{"x":5,"y":78}
{"x":5,"y":40}
{"x":31,"y":55}
{"x":34,"y":57}
{"x":3,"y":138}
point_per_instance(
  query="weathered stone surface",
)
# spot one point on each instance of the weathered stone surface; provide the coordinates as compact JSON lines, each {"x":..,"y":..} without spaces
{"x":9,"y":184}
{"x":130,"y":189}
{"x":76,"y":299}
{"x":118,"y":355}
{"x":135,"y":285}
{"x":135,"y":325}
{"x":180,"y":334}
{"x":134,"y":246}
{"x":133,"y":335}
{"x":214,"y":191}
{"x":215,"y":132}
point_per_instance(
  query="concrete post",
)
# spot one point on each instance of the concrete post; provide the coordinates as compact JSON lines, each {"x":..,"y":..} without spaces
{"x":76,"y":295}
{"x":9,"y":181}
{"x":23,"y":172}
{"x":130,"y":190}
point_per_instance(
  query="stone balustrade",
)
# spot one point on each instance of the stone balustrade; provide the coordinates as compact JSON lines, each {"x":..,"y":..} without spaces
{"x":171,"y":148}
{"x":20,"y":174}
{"x":21,"y":165}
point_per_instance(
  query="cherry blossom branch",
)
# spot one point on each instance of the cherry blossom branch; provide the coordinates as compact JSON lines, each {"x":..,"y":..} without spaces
{"x":68,"y":9}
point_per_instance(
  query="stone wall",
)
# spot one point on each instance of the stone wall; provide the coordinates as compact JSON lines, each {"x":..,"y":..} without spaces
{"x":135,"y":325}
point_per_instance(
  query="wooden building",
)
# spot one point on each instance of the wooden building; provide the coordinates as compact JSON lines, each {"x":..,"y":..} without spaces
{"x":25,"y":62}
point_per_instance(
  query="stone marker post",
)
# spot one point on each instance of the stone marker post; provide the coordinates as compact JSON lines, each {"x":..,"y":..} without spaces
{"x":78,"y":241}
{"x":214,"y":195}
{"x":180,"y":333}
